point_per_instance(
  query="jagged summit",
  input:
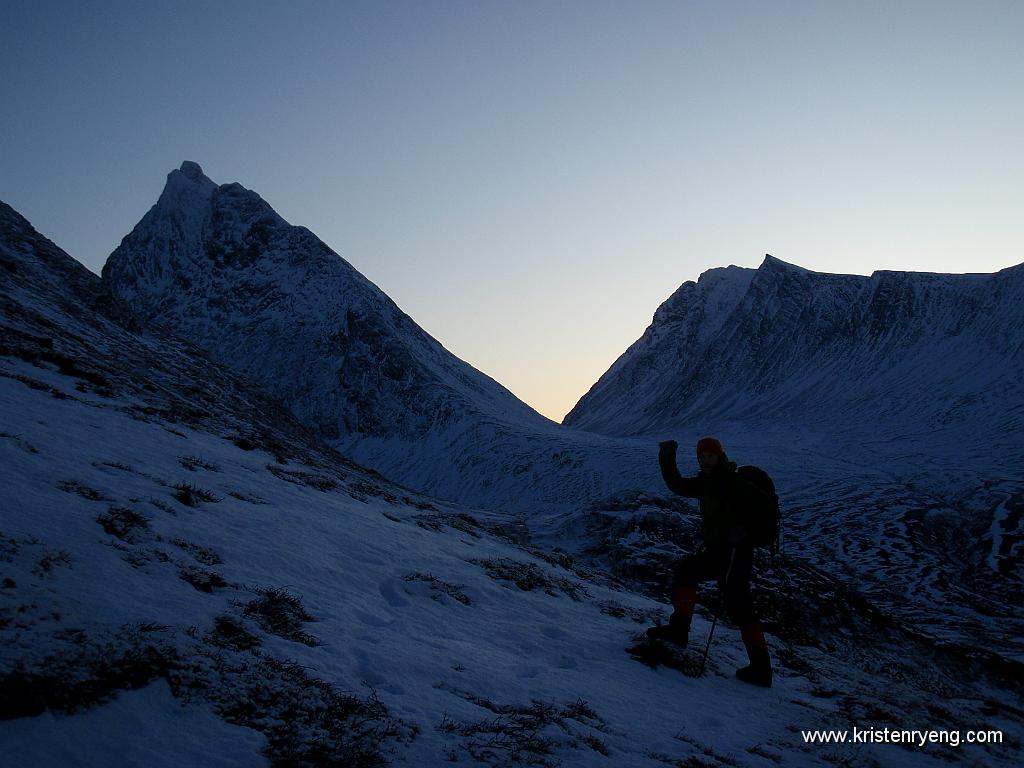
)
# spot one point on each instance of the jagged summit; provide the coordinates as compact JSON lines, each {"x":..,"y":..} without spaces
{"x":192,"y":170}
{"x":772,"y":263}
{"x":187,"y":184}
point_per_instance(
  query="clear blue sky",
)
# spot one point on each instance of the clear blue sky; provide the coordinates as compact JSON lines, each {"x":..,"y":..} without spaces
{"x":529,"y":180}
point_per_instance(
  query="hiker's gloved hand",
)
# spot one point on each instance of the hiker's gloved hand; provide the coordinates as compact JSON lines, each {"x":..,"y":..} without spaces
{"x":737,"y":535}
{"x":667,"y":446}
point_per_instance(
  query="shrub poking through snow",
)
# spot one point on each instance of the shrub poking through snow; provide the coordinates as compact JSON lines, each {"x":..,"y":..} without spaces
{"x":16,"y":439}
{"x":122,"y":522}
{"x":690,"y":762}
{"x":119,"y":465}
{"x":192,"y":463}
{"x":84,"y":675}
{"x":715,"y":758}
{"x":49,"y":560}
{"x":280,"y":613}
{"x":8,"y":548}
{"x":204,"y":581}
{"x":249,"y":498}
{"x":73,"y":486}
{"x":308,"y":479}
{"x":527,"y":734}
{"x":362,"y":490}
{"x":163,"y":506}
{"x":439,"y":587}
{"x":230,"y":633}
{"x":307,"y":721}
{"x":245,"y":443}
{"x":263,"y":442}
{"x":191,"y":495}
{"x":202,"y":554}
{"x":619,"y":611}
{"x":460,"y":522}
{"x":528,"y":577}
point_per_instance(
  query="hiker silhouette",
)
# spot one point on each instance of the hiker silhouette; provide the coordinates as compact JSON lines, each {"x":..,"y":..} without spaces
{"x":727,"y":554}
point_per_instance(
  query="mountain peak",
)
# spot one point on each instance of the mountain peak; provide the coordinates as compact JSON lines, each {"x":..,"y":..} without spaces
{"x":192,"y":170}
{"x":217,"y":265}
{"x":771,"y":263}
{"x":187,"y":187}
{"x":190,"y":173}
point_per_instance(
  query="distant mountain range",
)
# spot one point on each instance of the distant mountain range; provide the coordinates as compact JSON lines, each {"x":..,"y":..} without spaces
{"x":872,"y":400}
{"x":770,"y":356}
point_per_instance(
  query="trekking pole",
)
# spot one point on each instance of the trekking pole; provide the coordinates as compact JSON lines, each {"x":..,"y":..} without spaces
{"x":711,"y":634}
{"x":707,"y":648}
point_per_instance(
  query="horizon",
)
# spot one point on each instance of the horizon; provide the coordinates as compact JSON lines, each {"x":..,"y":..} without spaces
{"x":573,"y":163}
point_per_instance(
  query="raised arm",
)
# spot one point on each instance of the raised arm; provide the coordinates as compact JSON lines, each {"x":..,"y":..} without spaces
{"x":683,"y":486}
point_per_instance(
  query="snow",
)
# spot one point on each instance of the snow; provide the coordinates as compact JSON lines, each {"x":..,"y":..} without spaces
{"x":348,"y":562}
{"x":430,"y":660}
{"x":404,"y":591}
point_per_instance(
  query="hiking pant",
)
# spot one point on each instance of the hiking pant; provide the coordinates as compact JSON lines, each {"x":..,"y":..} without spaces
{"x":712,"y":562}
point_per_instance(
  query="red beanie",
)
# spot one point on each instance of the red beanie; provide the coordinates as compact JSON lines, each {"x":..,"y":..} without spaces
{"x":709,"y":445}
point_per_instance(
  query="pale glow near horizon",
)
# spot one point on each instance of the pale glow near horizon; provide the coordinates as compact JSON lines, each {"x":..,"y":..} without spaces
{"x":530,"y":181}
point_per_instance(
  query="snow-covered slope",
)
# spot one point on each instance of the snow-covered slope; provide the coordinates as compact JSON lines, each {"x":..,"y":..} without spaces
{"x":783,"y":344}
{"x":218,"y":265}
{"x":189,"y":577}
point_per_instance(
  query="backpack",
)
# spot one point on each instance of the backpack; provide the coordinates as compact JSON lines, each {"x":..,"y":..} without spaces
{"x":763,"y":521}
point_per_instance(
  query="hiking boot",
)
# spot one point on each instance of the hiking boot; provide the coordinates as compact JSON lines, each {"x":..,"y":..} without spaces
{"x":676,"y":634}
{"x":759,"y":671}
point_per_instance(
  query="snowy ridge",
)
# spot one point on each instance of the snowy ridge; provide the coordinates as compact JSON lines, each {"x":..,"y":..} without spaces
{"x":815,"y":349}
{"x":178,"y":555}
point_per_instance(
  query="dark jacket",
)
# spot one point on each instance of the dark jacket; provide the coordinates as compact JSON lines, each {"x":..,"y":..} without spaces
{"x":725,"y":498}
